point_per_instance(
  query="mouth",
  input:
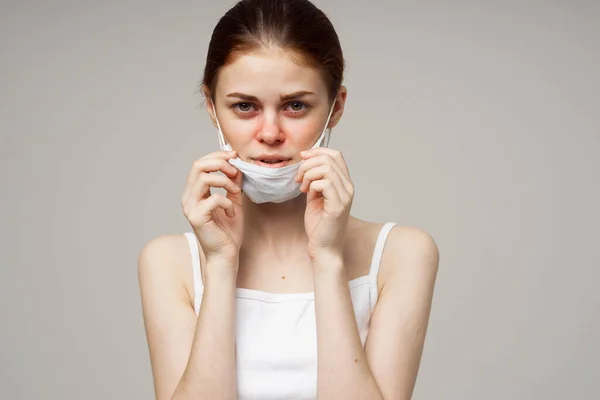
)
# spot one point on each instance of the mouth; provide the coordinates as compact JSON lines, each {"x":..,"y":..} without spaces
{"x":272,"y":161}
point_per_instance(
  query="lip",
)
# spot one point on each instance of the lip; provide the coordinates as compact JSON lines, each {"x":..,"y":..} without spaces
{"x":257,"y":160}
{"x":276,"y":165}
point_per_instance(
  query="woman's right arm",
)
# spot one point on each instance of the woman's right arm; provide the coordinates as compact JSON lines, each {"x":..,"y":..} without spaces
{"x":191,"y":358}
{"x":194,"y":358}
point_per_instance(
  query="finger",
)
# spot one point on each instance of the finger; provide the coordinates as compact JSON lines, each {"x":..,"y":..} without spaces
{"x":216,"y":162}
{"x":202,"y":212}
{"x":217,"y":200}
{"x":220,"y":154}
{"x":310,"y":163}
{"x":336,"y":155}
{"x":315,"y":161}
{"x":325,"y":172}
{"x":305,"y":165}
{"x":206,"y":181}
{"x":332,"y":202}
{"x":208,"y":165}
{"x":237,"y":197}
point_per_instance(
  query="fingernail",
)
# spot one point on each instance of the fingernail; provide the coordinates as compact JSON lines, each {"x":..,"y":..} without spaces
{"x":303,"y":152}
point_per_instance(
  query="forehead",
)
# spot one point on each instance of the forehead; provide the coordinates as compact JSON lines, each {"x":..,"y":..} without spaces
{"x":269,"y":72}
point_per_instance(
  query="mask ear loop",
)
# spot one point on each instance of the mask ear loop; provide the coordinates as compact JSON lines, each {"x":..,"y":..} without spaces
{"x":328,"y":130}
{"x":222,"y":142}
{"x":221,"y":136}
{"x":327,"y":137}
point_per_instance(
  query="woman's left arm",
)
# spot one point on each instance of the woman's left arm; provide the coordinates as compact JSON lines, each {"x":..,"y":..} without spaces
{"x":387,"y":368}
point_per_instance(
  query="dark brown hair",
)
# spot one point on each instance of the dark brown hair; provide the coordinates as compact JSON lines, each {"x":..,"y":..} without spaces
{"x":296,"y":25}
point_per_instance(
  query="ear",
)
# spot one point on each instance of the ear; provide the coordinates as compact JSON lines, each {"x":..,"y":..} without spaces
{"x":210,"y":106}
{"x":338,"y":108}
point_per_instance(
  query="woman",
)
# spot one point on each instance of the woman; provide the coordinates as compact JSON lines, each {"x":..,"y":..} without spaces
{"x":278,"y":292}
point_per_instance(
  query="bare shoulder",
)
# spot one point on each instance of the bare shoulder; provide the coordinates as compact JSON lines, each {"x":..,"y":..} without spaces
{"x":411,"y":248}
{"x":413,"y":241}
{"x":164,"y":263}
{"x":405,"y":247}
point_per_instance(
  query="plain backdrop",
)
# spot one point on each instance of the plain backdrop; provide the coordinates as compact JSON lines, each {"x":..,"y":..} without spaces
{"x":477,"y":121}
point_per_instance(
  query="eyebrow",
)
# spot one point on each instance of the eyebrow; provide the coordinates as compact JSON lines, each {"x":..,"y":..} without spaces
{"x":291,"y":96}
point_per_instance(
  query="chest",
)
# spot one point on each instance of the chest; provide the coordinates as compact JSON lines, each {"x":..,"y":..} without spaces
{"x":276,"y":341}
{"x":294,"y":274}
{"x":276,"y":276}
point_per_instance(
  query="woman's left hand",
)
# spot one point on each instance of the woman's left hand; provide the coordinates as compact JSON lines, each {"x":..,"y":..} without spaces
{"x":326,"y":179}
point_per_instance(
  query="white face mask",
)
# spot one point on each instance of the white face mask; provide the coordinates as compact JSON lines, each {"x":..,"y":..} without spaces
{"x":270,"y":185}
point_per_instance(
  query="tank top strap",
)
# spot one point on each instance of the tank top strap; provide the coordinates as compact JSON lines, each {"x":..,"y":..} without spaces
{"x":376,"y":260}
{"x":379,"y":245}
{"x":195,"y":254}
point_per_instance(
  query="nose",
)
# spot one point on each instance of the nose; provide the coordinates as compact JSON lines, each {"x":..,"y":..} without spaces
{"x":269,"y":132}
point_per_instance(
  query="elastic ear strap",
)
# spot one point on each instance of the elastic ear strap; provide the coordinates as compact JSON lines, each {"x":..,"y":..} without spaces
{"x":330,"y":114}
{"x":328,"y":130}
{"x":221,"y":137}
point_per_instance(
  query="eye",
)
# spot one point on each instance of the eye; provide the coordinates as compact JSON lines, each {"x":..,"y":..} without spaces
{"x":296,"y":106}
{"x":243,"y":107}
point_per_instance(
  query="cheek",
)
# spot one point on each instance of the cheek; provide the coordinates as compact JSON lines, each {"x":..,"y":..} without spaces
{"x":240,"y":131}
{"x":302,"y":132}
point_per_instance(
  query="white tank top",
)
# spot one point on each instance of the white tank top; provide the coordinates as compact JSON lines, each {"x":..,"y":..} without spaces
{"x":276,"y":333}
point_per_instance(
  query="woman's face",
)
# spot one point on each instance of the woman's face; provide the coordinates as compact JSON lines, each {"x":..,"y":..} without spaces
{"x":267,"y":104}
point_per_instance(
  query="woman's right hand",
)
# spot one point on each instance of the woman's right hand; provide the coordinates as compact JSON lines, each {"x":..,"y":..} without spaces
{"x":217,"y":220}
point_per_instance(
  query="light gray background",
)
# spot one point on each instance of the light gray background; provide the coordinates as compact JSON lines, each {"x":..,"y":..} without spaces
{"x":477,"y":121}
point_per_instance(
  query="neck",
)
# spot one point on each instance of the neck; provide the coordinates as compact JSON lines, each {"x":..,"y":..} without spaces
{"x":274,"y":229}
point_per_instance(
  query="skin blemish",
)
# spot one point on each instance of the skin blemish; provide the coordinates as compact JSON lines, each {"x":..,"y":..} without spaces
{"x":283,"y":277}
{"x":356,"y":360}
